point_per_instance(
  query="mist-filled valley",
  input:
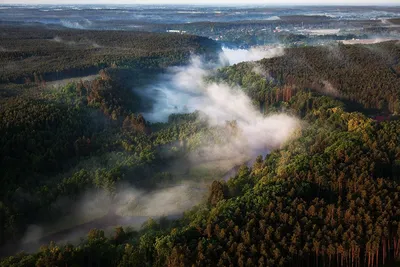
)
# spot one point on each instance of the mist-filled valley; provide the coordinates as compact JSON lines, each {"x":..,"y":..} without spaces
{"x":202,"y":136}
{"x":229,"y":130}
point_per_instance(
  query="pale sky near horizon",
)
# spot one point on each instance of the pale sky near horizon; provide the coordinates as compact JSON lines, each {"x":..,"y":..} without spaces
{"x":210,"y":2}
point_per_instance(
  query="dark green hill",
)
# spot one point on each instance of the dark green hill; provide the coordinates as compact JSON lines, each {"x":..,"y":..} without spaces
{"x":365,"y":74}
{"x":52,"y":54}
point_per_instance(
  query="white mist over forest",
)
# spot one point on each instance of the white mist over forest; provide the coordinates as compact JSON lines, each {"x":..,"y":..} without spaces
{"x":184,"y":89}
{"x":235,"y":56}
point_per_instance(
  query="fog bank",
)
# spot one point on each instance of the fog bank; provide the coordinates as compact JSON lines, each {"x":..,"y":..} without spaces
{"x":244,"y":133}
{"x":235,"y":56}
{"x":184,"y":90}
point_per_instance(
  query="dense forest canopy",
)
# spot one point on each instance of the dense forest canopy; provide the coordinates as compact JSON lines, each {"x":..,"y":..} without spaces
{"x":364,"y":74}
{"x":36,"y":53}
{"x":329,"y":197}
{"x":72,"y":136}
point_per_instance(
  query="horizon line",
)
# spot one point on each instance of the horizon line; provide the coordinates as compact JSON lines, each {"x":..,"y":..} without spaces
{"x":205,"y":5}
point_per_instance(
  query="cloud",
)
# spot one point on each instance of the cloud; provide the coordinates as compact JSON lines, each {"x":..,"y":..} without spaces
{"x":81,"y":25}
{"x":242,"y":134}
{"x":185,"y":90}
{"x":235,"y":56}
{"x":169,"y":201}
{"x":85,"y":42}
{"x":329,"y":89}
{"x":33,"y":233}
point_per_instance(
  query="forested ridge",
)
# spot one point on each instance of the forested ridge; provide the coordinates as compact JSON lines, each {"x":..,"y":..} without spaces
{"x":35,"y":53}
{"x":81,"y":136}
{"x":58,"y":140}
{"x":329,"y":197}
{"x":364,"y":74}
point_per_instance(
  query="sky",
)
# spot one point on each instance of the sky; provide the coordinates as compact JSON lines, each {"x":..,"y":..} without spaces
{"x":210,"y":2}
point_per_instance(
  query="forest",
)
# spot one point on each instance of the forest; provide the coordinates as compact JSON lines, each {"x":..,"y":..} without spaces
{"x":73,"y":136}
{"x":367,"y":75}
{"x":35,"y":53}
{"x":329,"y":197}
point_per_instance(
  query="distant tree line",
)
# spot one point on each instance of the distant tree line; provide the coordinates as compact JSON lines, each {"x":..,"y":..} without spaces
{"x":53,"y":54}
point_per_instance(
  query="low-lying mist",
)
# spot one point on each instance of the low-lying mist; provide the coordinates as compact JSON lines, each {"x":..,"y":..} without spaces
{"x":235,"y":56}
{"x":129,"y":207}
{"x":185,"y":89}
{"x":246,"y":133}
{"x":84,"y":42}
{"x":81,"y":25}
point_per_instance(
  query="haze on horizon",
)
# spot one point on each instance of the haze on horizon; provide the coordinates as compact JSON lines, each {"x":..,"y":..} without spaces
{"x":210,"y":2}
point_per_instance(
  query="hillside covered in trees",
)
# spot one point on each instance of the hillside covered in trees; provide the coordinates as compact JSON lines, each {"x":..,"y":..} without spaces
{"x":329,"y":197}
{"x":34,"y":53}
{"x":61,"y":138}
{"x":367,"y":75}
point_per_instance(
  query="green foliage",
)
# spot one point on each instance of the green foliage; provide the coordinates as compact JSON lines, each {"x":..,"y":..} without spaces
{"x":58,"y":141}
{"x":69,"y":53}
{"x":335,"y":71}
{"x":328,"y":198}
{"x":106,"y":179}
